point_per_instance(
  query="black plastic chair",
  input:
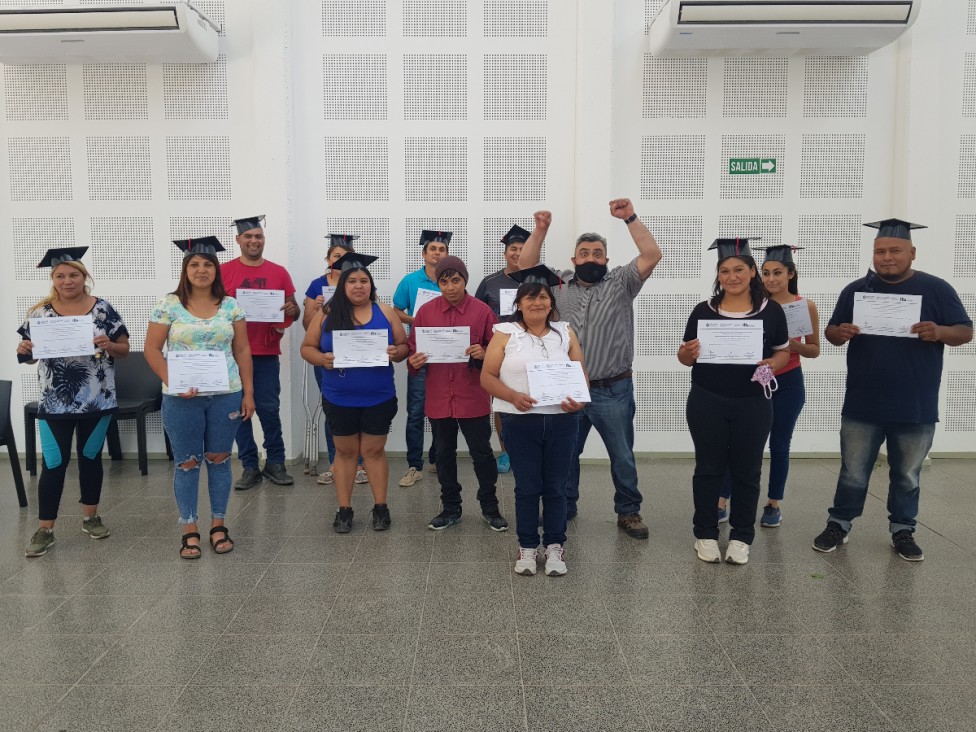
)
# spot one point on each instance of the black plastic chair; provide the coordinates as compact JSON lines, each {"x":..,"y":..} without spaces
{"x":7,"y":438}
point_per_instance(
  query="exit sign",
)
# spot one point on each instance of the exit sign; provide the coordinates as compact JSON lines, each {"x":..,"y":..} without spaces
{"x":749,"y":166}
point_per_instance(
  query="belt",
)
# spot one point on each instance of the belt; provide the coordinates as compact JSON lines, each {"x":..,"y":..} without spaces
{"x":603,"y":383}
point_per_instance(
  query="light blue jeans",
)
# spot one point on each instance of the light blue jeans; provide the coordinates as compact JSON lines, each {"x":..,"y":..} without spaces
{"x":197,"y":427}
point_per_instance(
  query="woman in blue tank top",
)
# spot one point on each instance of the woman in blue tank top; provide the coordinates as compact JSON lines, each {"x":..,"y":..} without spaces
{"x":358,"y":394}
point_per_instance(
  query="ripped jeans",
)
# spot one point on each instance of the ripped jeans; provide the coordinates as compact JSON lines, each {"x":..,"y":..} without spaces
{"x":197,"y":427}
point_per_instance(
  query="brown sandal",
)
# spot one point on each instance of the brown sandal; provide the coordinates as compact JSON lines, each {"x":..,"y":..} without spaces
{"x":187,"y":546}
{"x":218,"y":545}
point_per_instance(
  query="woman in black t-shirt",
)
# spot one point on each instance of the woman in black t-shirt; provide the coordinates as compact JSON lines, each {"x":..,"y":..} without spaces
{"x":729,"y":411}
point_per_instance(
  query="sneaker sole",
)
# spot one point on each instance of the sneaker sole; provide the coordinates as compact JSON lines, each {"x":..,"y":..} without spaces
{"x":441,"y":528}
{"x":493,"y":528}
{"x":635,"y":534}
{"x":103,"y":536}
{"x":525,"y":571}
{"x":239,"y":487}
{"x":556,"y":572}
{"x":828,"y":550}
{"x":39,"y":554}
{"x":730,"y":560}
{"x":708,"y":560}
{"x":911,"y":559}
{"x":279,"y":482}
{"x":770,"y":526}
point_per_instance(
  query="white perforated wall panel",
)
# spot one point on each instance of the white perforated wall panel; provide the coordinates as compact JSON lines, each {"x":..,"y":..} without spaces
{"x":128,"y":238}
{"x":969,"y":86}
{"x":198,"y":168}
{"x":835,"y":86}
{"x":353,"y":18}
{"x":354,"y":86}
{"x":967,"y":166}
{"x":493,"y":251}
{"x":832,"y":166}
{"x":115,"y":91}
{"x":435,"y":86}
{"x":194,"y":227}
{"x":660,"y":398}
{"x":515,"y":168}
{"x":458,"y":246}
{"x":135,"y":311}
{"x":436,"y":168}
{"x":765,"y":185}
{"x":356,"y":168}
{"x":119,"y":169}
{"x":684,"y":240}
{"x":971,"y":19}
{"x":196,"y":91}
{"x":968,"y":300}
{"x":835,"y":243}
{"x":672,"y":166}
{"x":30,"y":237}
{"x":435,"y":18}
{"x":516,"y":18}
{"x":39,"y":168}
{"x":769,"y":229}
{"x":960,"y":413}
{"x":35,"y":93}
{"x":669,"y":314}
{"x":374,"y":239}
{"x":964,"y":247}
{"x":755,"y":87}
{"x":825,"y":398}
{"x":674,"y":88}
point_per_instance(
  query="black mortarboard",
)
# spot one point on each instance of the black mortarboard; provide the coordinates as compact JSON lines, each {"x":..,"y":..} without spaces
{"x":539,"y":273}
{"x":342,"y":240}
{"x":203,"y":245}
{"x":427,"y":236}
{"x":251,"y":222}
{"x":352,"y":260}
{"x":737,"y":247}
{"x":515,"y":235}
{"x":894,"y":228}
{"x":781,"y":253}
{"x":54,"y":257}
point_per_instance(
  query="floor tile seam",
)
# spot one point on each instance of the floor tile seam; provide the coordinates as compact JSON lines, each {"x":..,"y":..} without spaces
{"x":318,"y":638}
{"x":284,"y":714}
{"x":630,"y":673}
{"x":416,"y":646}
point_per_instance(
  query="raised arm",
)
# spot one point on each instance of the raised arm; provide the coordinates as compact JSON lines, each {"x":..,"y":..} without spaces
{"x":532,"y":249}
{"x":649,"y":253}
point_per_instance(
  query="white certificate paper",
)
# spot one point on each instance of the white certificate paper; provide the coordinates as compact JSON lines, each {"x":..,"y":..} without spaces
{"x":506,"y":301}
{"x":424,"y":297}
{"x":798,"y":321}
{"x":200,"y":370}
{"x":550,"y":382}
{"x":328,"y":292}
{"x":444,"y":345}
{"x":262,"y":306}
{"x":360,"y":348}
{"x":878,"y":313}
{"x":69,"y":335}
{"x":730,"y":341}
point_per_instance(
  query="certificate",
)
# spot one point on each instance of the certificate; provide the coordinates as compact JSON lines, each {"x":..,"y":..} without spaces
{"x":360,"y":348}
{"x":262,"y":306}
{"x":798,"y":321}
{"x":69,"y":335}
{"x":200,"y":370}
{"x":730,"y":341}
{"x":506,"y":301}
{"x":444,"y":345}
{"x":424,"y":297}
{"x":550,"y":382}
{"x":328,"y":292}
{"x":878,"y":313}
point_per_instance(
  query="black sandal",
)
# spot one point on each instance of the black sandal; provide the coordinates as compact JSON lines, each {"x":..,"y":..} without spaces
{"x":187,"y":545}
{"x":216,"y":545}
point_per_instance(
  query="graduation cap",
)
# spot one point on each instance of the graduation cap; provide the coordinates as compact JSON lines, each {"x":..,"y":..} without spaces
{"x":539,"y":273}
{"x":427,"y":236}
{"x":352,"y":260}
{"x":515,"y":235}
{"x":781,"y":253}
{"x":203,"y":245}
{"x":54,"y":257}
{"x":894,"y":228}
{"x":251,"y":222}
{"x":342,"y":240}
{"x":738,"y":247}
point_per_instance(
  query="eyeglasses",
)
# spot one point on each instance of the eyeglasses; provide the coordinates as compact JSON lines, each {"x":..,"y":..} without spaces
{"x":542,"y":345}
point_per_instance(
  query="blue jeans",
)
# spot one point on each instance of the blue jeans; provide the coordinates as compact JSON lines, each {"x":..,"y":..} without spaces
{"x":541,"y":447}
{"x":197,"y":426}
{"x":416,"y":394}
{"x":908,"y":444}
{"x":267,"y":402}
{"x":611,"y":411}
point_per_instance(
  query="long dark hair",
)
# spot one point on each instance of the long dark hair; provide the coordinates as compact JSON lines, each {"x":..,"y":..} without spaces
{"x":341,"y":311}
{"x":531,"y":289}
{"x":757,"y":290}
{"x":791,"y":285}
{"x":183,"y":289}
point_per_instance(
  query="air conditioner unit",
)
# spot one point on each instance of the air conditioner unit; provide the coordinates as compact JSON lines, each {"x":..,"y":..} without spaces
{"x":85,"y":34}
{"x":760,"y":27}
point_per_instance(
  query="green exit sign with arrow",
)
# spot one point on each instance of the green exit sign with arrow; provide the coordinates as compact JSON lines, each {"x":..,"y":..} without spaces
{"x":750,"y":166}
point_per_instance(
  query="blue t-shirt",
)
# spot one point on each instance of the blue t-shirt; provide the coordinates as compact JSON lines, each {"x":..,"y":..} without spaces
{"x":405,"y":296}
{"x":360,"y":387}
{"x":892,"y":379}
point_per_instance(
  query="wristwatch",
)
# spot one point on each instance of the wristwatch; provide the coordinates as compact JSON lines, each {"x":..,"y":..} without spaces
{"x":630,"y":219}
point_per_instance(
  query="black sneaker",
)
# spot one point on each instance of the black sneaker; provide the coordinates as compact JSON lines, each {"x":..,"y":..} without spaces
{"x":904,"y":543}
{"x":250,"y":478}
{"x":381,"y":517}
{"x":831,"y":538}
{"x":343,"y":521}
{"x":277,"y":474}
{"x":444,"y":519}
{"x":496,"y":521}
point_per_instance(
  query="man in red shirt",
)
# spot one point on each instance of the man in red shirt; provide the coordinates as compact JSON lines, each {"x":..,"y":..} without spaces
{"x":457,"y":400}
{"x":251,"y":271}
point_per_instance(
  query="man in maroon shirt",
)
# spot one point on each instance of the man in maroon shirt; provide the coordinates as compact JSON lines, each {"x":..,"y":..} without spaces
{"x":456,"y":399}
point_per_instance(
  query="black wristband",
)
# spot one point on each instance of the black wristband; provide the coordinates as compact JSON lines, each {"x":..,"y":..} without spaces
{"x":630,"y":219}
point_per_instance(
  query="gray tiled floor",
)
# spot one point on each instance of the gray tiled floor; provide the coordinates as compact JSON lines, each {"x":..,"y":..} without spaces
{"x":299,"y":628}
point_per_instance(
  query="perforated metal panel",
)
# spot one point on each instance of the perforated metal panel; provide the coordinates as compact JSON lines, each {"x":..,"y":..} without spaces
{"x":516,"y":18}
{"x":964,"y":247}
{"x":374,"y":239}
{"x":198,"y":168}
{"x":25,"y":303}
{"x":681,"y":237}
{"x":135,"y":311}
{"x":835,"y":86}
{"x":128,"y":238}
{"x":660,"y":398}
{"x":971,"y":19}
{"x":353,"y":18}
{"x":672,"y":167}
{"x":763,"y":185}
{"x":669,"y":314}
{"x":968,"y":302}
{"x":832,"y":166}
{"x":194,"y":227}
{"x":969,"y":86}
{"x":768,"y":228}
{"x":515,"y":168}
{"x":195,"y":91}
{"x":356,"y":169}
{"x":492,"y":250}
{"x":825,"y":398}
{"x":836,"y":240}
{"x":458,"y":246}
{"x":435,"y":86}
{"x":825,"y":302}
{"x":651,"y":8}
{"x":30,"y":389}
{"x":967,"y":166}
{"x":436,"y":168}
{"x":516,"y":86}
{"x":674,"y":88}
{"x":40,"y":168}
{"x":960,"y":413}
{"x":754,"y":87}
{"x":354,"y":86}
{"x":36,"y":93}
{"x":119,"y":169}
{"x":127,"y":428}
{"x":214,"y":9}
{"x":435,"y":18}
{"x":31,"y":237}
{"x":115,"y":91}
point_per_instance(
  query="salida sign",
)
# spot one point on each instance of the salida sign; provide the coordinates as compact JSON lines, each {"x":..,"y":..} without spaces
{"x":749,"y":166}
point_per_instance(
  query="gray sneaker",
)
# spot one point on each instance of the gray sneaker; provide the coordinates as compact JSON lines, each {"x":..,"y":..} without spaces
{"x":277,"y":474}
{"x":250,"y":478}
{"x":95,"y":528}
{"x":42,"y":540}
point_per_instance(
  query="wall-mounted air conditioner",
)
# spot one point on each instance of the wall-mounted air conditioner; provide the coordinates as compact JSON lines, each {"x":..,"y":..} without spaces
{"x":756,"y":27}
{"x":90,"y":34}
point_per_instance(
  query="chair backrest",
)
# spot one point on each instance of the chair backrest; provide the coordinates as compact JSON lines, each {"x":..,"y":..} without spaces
{"x":134,"y":379}
{"x":5,"y":422}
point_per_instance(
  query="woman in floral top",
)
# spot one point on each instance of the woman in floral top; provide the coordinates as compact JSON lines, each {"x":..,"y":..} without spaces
{"x":77,"y":395}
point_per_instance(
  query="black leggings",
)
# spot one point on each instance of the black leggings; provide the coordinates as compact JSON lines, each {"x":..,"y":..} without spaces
{"x":56,"y":449}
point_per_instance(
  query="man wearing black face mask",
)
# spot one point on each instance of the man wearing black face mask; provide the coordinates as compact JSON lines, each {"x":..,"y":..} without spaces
{"x":599,"y":304}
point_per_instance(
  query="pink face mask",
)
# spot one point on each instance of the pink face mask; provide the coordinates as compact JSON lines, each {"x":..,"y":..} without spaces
{"x":764,"y":375}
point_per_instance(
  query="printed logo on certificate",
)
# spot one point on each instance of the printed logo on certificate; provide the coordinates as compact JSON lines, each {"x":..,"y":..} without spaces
{"x":444,"y":345}
{"x":877,"y":313}
{"x":262,"y":306}
{"x":63,"y":337}
{"x":730,"y":341}
{"x":205,"y":371}
{"x":506,"y":301}
{"x":552,"y":382}
{"x":360,"y":348}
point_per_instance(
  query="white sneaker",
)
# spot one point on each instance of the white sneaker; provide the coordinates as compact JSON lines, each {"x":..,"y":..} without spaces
{"x":737,"y":552}
{"x":361,"y":477}
{"x":708,"y":551}
{"x":525,"y":564}
{"x":554,"y":560}
{"x":410,"y":477}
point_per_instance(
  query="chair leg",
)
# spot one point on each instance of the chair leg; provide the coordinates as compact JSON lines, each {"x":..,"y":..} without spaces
{"x":112,"y":438}
{"x":30,"y":448}
{"x":15,"y":467}
{"x":141,"y":443}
